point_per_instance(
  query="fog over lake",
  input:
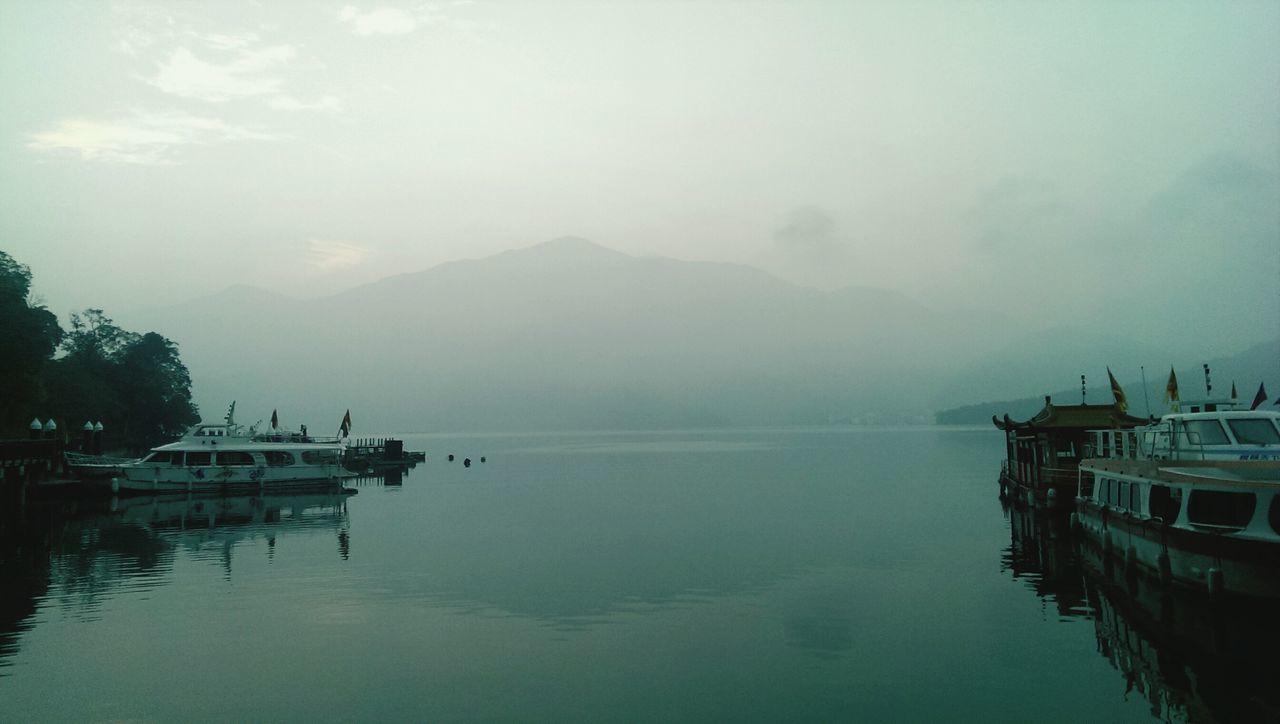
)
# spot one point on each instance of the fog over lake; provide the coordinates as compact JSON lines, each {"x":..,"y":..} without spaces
{"x":726,"y":293}
{"x":920,"y":188}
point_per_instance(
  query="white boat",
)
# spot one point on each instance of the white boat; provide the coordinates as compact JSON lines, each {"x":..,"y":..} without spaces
{"x":231,"y":457}
{"x":90,"y":468}
{"x":1193,"y":498}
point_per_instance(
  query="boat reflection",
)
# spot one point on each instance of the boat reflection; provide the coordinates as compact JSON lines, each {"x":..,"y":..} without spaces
{"x":1193,"y":657}
{"x":1041,"y":555}
{"x":78,"y":553}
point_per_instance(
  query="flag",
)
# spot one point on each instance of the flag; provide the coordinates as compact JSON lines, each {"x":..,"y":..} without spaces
{"x":346,"y":424}
{"x":1122,"y":402}
{"x":275,"y":421}
{"x":1234,"y":394}
{"x":1261,"y":397}
{"x":1171,"y":391}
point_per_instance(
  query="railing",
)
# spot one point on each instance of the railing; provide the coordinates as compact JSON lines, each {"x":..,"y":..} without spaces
{"x":1143,"y":444}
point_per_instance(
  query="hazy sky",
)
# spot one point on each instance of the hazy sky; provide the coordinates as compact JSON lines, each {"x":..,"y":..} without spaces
{"x":962,"y":151}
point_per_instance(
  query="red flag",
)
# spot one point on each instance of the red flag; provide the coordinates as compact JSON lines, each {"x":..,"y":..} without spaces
{"x":1261,"y":397}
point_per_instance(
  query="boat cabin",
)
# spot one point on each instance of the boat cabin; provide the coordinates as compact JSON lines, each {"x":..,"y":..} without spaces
{"x":1044,"y":452}
{"x":1228,"y":434}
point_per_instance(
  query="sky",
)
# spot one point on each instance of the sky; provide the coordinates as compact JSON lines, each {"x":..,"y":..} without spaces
{"x":1064,"y":161}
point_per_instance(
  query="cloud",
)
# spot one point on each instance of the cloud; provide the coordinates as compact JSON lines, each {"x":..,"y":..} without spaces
{"x":379,"y":21}
{"x":809,"y":231}
{"x":1020,"y":213}
{"x":1224,"y":200}
{"x":229,"y":41}
{"x":145,"y":137}
{"x":399,"y":21}
{"x":323,"y":104}
{"x":187,"y":76}
{"x":328,"y":256}
{"x":139,"y":27}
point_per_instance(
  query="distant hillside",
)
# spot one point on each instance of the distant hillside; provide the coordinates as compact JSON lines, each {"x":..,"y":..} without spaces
{"x":1247,"y":369}
{"x":568,"y":334}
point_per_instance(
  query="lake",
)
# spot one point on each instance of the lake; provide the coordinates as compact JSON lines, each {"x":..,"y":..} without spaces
{"x":763,"y":575}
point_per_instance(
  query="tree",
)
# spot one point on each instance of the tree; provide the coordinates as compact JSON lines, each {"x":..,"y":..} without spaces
{"x":29,"y":334}
{"x":155,"y":388}
{"x":95,"y":338}
{"x":135,"y":383}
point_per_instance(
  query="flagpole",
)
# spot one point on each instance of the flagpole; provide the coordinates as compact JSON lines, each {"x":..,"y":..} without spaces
{"x":1145,"y":400}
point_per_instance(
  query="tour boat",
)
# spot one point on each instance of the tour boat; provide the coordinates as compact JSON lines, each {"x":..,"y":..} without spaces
{"x":227,"y":456}
{"x":1194,"y":498}
{"x":1043,"y":453}
{"x":90,"y":468}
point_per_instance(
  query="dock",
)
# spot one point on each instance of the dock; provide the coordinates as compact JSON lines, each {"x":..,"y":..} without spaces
{"x":372,"y":454}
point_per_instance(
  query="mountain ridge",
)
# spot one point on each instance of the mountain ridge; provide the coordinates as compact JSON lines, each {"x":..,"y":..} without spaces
{"x":569,"y":334}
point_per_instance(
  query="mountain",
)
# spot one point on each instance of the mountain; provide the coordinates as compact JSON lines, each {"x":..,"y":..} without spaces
{"x":1247,"y":370}
{"x":571,"y":335}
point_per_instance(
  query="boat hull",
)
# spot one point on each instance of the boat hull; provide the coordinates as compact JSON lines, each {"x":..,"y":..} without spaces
{"x":1240,"y":557}
{"x":1205,"y":561}
{"x":150,"y":479}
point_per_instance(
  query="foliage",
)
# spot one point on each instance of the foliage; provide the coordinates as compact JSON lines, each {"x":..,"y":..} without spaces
{"x":135,"y":384}
{"x":29,"y":334}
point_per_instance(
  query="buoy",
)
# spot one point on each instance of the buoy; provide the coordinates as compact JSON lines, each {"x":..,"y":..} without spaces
{"x":481,"y":458}
{"x":1053,"y":497}
{"x":450,"y":457}
{"x":1214,"y":580}
{"x":466,"y":462}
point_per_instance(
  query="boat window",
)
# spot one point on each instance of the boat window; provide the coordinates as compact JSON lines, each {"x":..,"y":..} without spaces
{"x":1221,"y":508}
{"x":1135,"y":498}
{"x":233,"y":457}
{"x":320,"y":457}
{"x":160,"y":457}
{"x":1165,"y":502}
{"x":198,"y":458}
{"x":1122,"y":500}
{"x":1254,"y":432}
{"x":1108,"y":492}
{"x":1203,"y":432}
{"x":278,"y":458}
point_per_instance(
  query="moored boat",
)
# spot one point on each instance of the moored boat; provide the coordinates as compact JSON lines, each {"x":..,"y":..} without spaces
{"x":90,"y":468}
{"x":1043,"y":453}
{"x":1193,"y":498}
{"x":230,"y":457}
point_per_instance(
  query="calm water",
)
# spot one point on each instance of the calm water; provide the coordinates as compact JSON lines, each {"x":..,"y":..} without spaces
{"x":746,"y":575}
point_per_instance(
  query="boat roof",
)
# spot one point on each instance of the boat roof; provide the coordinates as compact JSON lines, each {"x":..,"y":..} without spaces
{"x":247,"y":445}
{"x":1072,"y":417}
{"x":1223,"y":415}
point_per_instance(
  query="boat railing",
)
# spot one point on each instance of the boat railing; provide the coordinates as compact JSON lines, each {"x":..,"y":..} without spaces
{"x":1155,"y":442}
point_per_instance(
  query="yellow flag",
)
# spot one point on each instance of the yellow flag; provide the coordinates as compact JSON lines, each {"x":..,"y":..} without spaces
{"x":1171,"y":391}
{"x":1122,"y":402}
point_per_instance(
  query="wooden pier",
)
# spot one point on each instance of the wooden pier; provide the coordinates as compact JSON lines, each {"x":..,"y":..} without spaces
{"x":25,"y":464}
{"x":380,"y":452}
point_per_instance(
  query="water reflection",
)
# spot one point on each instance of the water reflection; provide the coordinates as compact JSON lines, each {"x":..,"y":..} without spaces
{"x":1041,"y":554}
{"x":1190,"y":656}
{"x":78,"y":554}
